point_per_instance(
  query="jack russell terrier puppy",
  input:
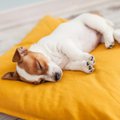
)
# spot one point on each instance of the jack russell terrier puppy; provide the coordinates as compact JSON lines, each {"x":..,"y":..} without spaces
{"x":66,"y":48}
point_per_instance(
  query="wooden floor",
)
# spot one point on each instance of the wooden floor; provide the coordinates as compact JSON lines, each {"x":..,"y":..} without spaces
{"x":109,"y":8}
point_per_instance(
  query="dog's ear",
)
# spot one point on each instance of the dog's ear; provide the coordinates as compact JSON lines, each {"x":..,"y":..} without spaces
{"x":11,"y":76}
{"x":19,"y":53}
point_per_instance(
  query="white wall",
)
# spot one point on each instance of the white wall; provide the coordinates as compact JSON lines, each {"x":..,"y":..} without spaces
{"x":8,"y":4}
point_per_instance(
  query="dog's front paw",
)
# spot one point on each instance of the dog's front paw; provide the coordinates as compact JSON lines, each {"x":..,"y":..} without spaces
{"x":87,"y":67}
{"x":109,"y":40}
{"x":109,"y":44}
{"x":117,"y":35}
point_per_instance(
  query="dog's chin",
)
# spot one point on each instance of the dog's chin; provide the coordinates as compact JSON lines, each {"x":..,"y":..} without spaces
{"x":48,"y":80}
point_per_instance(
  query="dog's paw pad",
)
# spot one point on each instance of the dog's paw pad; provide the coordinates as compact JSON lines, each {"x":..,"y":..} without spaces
{"x":91,"y":60}
{"x":87,"y":67}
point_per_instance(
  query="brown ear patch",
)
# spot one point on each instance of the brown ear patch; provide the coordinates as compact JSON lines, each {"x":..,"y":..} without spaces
{"x":19,"y":53}
{"x":11,"y":76}
{"x":15,"y":76}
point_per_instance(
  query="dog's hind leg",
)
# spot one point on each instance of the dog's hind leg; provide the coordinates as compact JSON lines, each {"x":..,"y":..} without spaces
{"x":117,"y":35}
{"x":99,"y":24}
{"x":75,"y":54}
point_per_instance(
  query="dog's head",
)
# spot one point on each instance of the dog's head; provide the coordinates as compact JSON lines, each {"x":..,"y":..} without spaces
{"x":33,"y":67}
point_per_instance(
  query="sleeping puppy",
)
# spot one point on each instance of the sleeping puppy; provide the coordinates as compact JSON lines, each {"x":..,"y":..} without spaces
{"x":66,"y":48}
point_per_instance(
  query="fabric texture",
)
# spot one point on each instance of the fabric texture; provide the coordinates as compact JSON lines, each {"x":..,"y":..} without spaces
{"x":78,"y":96}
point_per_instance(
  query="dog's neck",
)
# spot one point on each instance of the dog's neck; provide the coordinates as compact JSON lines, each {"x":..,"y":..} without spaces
{"x":49,"y":54}
{"x":38,"y":49}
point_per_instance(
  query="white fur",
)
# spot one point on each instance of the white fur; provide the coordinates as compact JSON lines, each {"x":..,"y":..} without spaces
{"x":25,"y":75}
{"x":32,"y":78}
{"x":117,"y":35}
{"x":69,"y":45}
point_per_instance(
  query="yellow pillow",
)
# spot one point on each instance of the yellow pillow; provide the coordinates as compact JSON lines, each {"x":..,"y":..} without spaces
{"x":78,"y":96}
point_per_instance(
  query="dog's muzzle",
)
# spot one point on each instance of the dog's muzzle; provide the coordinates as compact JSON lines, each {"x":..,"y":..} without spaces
{"x":57,"y":76}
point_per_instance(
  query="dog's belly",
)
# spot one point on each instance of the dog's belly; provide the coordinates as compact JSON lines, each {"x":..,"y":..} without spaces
{"x":88,"y":40}
{"x":85,"y":38}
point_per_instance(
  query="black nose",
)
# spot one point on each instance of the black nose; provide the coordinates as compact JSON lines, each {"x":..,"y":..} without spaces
{"x":57,"y":76}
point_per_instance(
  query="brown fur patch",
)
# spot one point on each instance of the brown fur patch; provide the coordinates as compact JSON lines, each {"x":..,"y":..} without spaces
{"x":19,"y":53}
{"x":11,"y":76}
{"x":34,"y":63}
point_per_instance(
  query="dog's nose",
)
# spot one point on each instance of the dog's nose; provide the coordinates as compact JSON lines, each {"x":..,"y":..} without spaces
{"x":57,"y":76}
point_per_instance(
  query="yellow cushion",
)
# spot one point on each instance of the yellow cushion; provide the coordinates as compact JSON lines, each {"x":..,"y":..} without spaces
{"x":78,"y":96}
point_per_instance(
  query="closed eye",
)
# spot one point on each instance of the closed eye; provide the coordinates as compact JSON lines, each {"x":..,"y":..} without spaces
{"x":39,"y":66}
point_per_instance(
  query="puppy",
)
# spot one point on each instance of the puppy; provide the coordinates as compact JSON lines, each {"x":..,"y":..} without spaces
{"x":66,"y":48}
